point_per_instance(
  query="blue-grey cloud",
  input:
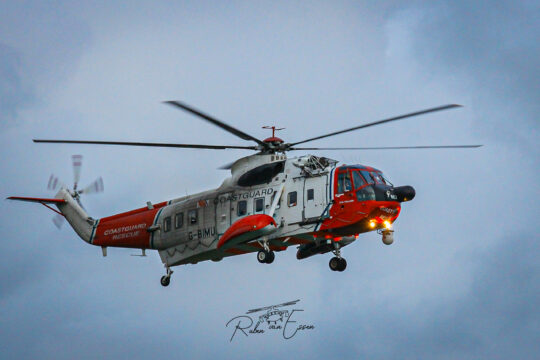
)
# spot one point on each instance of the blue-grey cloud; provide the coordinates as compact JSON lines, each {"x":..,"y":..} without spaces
{"x":40,"y":44}
{"x":15,"y":91}
{"x":493,"y":48}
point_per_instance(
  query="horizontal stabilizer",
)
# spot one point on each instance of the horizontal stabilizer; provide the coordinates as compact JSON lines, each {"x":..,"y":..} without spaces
{"x":37,"y":200}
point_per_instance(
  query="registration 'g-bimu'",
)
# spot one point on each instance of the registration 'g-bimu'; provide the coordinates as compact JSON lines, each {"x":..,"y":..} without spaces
{"x":269,"y":203}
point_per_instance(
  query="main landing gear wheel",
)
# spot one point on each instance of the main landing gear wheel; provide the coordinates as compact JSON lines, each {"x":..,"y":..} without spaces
{"x":337,"y":264}
{"x":265,"y":257}
{"x":165,"y":280}
{"x":271,"y":257}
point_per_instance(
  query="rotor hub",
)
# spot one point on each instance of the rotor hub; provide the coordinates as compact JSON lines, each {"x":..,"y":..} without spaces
{"x":273,"y":140}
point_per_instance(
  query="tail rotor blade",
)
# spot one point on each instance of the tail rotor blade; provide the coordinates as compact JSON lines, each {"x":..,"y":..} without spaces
{"x":58,"y":221}
{"x":77,"y":163}
{"x":95,"y":187}
{"x":54,"y":183}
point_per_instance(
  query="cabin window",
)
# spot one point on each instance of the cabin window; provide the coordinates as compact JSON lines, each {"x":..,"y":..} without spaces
{"x":179,"y":220}
{"x":344,"y":182}
{"x":292,"y":198}
{"x":259,"y":205}
{"x":242,"y":208}
{"x":167,"y":224}
{"x":310,"y":194}
{"x":193,"y":216}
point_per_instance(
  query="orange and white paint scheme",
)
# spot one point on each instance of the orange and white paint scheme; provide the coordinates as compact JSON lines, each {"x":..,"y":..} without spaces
{"x":318,"y":212}
{"x":267,"y":204}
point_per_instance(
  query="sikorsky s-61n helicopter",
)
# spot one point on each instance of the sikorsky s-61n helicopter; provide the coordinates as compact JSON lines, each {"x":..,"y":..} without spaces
{"x":269,"y":203}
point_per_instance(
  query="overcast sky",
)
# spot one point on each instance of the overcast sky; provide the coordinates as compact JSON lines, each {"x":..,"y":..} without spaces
{"x":460,"y":281}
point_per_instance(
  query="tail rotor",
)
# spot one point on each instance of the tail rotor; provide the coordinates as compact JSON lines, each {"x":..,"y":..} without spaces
{"x":55,"y":184}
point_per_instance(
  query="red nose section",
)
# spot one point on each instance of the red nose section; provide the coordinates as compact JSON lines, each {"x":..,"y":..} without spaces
{"x":245,"y":225}
{"x":386,"y":212}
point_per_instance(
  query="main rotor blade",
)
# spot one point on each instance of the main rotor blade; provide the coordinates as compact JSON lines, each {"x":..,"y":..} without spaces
{"x":392,"y":147}
{"x":216,"y":122}
{"x":189,"y":146}
{"x":426,"y":111}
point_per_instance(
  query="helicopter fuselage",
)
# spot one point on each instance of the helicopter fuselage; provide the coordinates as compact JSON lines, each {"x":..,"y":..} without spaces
{"x":307,"y":201}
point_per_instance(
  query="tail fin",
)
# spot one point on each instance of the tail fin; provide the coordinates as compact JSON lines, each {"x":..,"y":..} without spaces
{"x":79,"y":220}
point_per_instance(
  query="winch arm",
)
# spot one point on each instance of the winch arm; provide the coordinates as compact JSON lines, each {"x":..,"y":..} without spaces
{"x":276,"y":200}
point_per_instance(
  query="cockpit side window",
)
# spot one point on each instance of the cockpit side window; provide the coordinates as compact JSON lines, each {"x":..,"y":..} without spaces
{"x":344,"y":182}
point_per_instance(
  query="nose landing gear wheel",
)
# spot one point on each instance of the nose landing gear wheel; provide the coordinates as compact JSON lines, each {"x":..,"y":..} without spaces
{"x":337,"y":264}
{"x":265,"y":257}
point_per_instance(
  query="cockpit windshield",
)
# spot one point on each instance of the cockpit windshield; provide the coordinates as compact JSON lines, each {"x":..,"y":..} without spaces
{"x":378,"y":178}
{"x":368,"y":177}
{"x":385,"y":179}
{"x":356,"y":177}
{"x":375,"y":177}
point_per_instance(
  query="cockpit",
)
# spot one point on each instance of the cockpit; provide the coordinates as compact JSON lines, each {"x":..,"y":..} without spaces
{"x":355,"y":177}
{"x":363,"y":180}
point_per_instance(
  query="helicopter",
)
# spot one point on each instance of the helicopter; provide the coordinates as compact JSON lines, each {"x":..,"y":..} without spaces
{"x":269,"y":203}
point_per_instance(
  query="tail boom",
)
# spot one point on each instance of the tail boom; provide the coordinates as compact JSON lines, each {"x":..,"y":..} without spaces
{"x":132,"y":229}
